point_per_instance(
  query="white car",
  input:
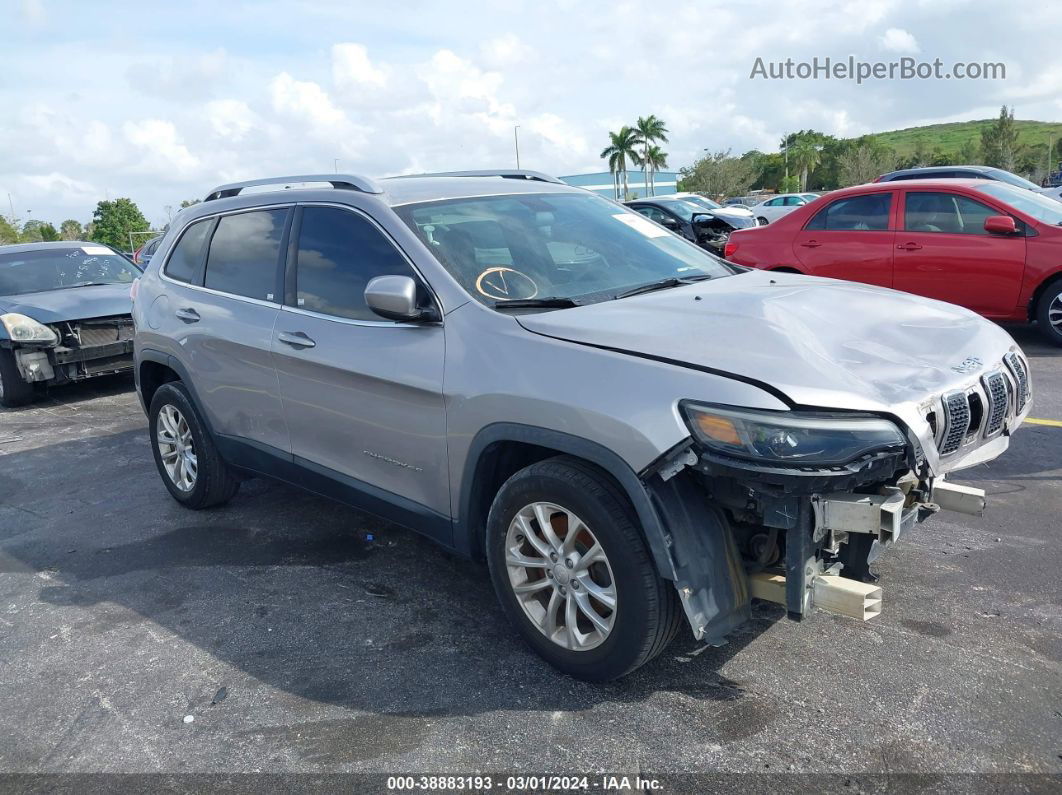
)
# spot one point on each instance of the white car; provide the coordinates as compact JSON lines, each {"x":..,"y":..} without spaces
{"x":1054,"y":193}
{"x":774,"y":207}
{"x":712,"y":206}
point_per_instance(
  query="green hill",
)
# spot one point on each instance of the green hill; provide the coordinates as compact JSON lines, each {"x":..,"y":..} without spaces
{"x":951,"y":137}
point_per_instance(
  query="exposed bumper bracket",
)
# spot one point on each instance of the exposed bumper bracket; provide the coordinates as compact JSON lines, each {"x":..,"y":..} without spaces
{"x":961,"y":499}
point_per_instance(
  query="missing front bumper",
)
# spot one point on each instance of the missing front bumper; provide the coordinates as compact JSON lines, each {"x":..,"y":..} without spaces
{"x":865,"y":522}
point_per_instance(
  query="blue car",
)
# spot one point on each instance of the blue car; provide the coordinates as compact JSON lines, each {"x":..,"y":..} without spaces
{"x":65,"y":315}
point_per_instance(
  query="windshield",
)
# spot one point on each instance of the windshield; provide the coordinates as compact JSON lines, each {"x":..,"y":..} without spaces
{"x":1013,"y":179}
{"x":579,"y":246}
{"x":1040,"y":207}
{"x":702,"y":201}
{"x":684,"y":208}
{"x":57,"y":268}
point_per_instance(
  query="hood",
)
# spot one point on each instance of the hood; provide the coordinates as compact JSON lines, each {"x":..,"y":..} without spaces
{"x":71,"y":303}
{"x":820,"y":342}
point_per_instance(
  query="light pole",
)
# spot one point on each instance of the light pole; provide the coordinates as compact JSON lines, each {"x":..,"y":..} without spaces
{"x":335,"y":164}
{"x":516,"y":143}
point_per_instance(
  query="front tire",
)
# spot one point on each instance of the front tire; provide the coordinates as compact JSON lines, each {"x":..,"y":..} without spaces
{"x":573,"y":574}
{"x":762,"y":221}
{"x":13,"y":390}
{"x":1049,"y":313}
{"x":185,"y":454}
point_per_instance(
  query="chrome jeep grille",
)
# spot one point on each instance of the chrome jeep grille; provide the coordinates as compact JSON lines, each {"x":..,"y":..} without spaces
{"x":995,"y":385}
{"x":1021,"y":377}
{"x":966,"y":417}
{"x":957,"y":421}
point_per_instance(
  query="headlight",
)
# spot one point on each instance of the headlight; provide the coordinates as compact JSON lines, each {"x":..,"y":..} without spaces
{"x":792,"y":438}
{"x":25,"y":329}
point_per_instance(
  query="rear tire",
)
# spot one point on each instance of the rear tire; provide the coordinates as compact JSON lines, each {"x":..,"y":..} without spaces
{"x":13,"y":390}
{"x":645,"y":614}
{"x":762,"y":221}
{"x":185,"y":454}
{"x":1049,"y":313}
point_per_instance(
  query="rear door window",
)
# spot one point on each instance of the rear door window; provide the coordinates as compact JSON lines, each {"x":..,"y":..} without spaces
{"x":245,"y":254}
{"x":653,"y":214}
{"x":188,"y":253}
{"x":948,"y":213}
{"x":339,"y":253}
{"x":866,"y":213}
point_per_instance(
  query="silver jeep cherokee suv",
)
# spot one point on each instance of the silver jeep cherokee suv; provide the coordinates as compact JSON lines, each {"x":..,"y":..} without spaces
{"x":629,"y":430}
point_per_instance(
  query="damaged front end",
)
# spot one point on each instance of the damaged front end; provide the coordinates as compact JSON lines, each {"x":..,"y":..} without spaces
{"x":793,"y":507}
{"x":71,"y":350}
{"x":713,"y":231}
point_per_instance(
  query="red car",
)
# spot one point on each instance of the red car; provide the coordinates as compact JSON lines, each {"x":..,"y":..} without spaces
{"x":982,"y":244}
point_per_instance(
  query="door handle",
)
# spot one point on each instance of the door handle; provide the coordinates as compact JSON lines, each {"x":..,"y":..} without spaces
{"x":187,"y":314}
{"x":908,"y":246}
{"x":811,"y":244}
{"x":296,"y":339}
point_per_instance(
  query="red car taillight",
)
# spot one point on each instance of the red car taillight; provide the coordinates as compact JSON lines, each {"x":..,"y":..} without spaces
{"x":729,"y":249}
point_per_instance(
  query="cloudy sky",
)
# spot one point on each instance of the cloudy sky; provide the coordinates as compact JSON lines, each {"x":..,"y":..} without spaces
{"x":161,"y":101}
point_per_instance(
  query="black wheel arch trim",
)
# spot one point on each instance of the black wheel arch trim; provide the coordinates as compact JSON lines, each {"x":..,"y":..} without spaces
{"x":689,"y":539}
{"x":1045,"y":284}
{"x":175,"y":364}
{"x":470,"y":523}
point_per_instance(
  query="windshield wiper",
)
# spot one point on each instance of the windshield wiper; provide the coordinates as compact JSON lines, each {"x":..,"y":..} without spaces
{"x":663,"y":284}
{"x":553,"y":301}
{"x":92,"y":284}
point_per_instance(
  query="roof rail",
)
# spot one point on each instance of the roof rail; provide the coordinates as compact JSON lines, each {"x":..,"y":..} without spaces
{"x":338,"y":181}
{"x":509,"y":173}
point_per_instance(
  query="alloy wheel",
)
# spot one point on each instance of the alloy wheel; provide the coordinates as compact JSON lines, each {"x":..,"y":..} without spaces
{"x":561,"y":576}
{"x":176,"y":447}
{"x":1054,"y":313}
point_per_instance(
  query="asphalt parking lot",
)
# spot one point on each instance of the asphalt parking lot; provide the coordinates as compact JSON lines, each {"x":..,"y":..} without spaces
{"x":287,"y":633}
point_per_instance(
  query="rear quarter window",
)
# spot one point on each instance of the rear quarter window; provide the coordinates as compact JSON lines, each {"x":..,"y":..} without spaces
{"x":188,"y":252}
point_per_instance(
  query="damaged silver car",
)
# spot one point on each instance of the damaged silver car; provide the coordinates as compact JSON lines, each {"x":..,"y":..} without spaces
{"x":64,"y":315}
{"x":634,"y":434}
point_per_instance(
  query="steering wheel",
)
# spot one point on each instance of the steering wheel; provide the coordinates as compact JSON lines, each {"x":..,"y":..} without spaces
{"x":501,"y":283}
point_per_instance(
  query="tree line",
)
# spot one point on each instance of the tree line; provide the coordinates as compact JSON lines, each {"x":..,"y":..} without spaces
{"x":812,"y":160}
{"x":118,"y":223}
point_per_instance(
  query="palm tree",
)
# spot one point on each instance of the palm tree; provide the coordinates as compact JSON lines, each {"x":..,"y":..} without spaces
{"x":806,"y":156}
{"x":623,"y":144}
{"x":650,"y":129}
{"x":654,"y":160}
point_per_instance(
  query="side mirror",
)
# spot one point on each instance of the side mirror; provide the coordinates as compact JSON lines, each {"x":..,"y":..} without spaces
{"x":670,"y":223}
{"x":1000,"y":225}
{"x":703,"y":219}
{"x":395,"y":298}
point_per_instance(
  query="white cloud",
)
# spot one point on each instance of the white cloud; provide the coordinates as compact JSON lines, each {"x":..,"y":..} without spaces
{"x":305,"y":101}
{"x":160,"y":147}
{"x":505,"y":50}
{"x":899,"y":40}
{"x":351,"y":68}
{"x":231,"y":119}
